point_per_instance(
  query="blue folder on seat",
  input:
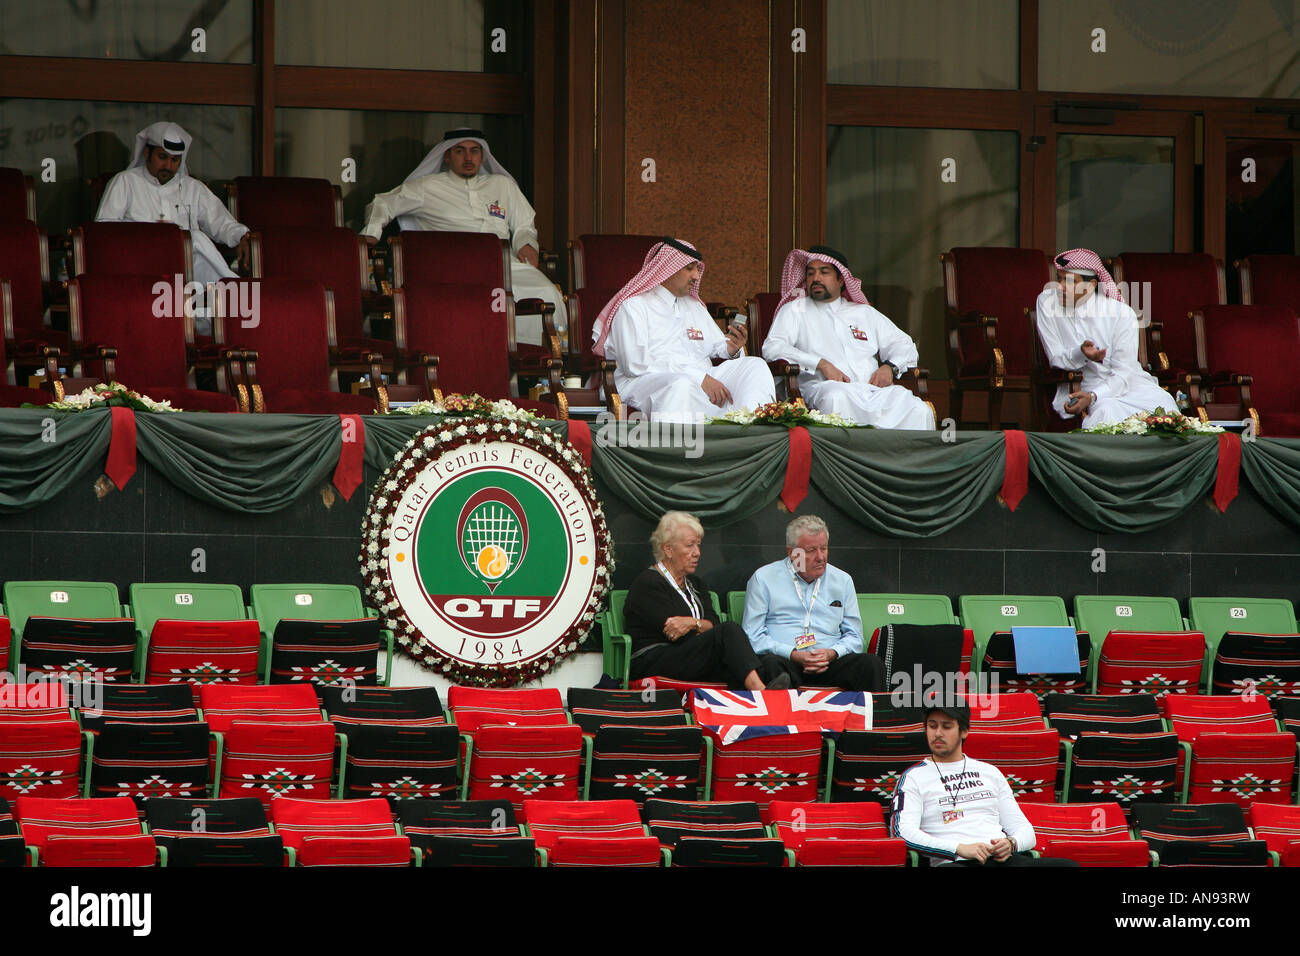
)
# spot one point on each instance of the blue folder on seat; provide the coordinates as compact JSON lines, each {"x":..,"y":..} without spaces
{"x":1046,"y":650}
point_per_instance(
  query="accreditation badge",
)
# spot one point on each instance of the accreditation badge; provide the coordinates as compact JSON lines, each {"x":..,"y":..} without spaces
{"x":952,"y":816}
{"x":805,"y":641}
{"x":695,"y":335}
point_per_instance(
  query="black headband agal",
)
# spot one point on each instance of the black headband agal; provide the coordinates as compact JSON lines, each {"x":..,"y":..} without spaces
{"x":173,"y":147}
{"x":683,"y":247}
{"x":463,"y":134}
{"x":830,"y":254}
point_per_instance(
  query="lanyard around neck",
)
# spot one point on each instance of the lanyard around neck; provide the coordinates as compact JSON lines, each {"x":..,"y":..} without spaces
{"x":812,"y":594}
{"x":688,"y":595}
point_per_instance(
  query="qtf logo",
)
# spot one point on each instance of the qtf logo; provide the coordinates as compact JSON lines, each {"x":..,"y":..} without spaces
{"x":493,"y":536}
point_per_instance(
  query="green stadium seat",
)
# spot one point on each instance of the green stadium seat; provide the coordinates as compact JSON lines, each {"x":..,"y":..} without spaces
{"x":736,"y":606}
{"x":987,"y":614}
{"x":68,"y":599}
{"x":316,"y":602}
{"x":615,"y":644}
{"x":880,"y":609}
{"x":1099,"y":614}
{"x":185,"y":601}
{"x":1215,"y":616}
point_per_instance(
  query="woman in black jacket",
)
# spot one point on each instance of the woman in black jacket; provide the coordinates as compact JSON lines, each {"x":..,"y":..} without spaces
{"x":674,"y":629}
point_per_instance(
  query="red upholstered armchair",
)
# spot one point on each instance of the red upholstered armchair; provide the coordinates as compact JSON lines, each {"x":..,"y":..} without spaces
{"x":338,"y":259}
{"x":132,"y":249}
{"x":17,"y":196}
{"x":262,"y":201}
{"x":1270,"y":280}
{"x":25,"y":289}
{"x":118,"y":335}
{"x":1180,"y":284}
{"x":1254,"y":351}
{"x":285,"y":353}
{"x":989,"y":292}
{"x":457,"y":323}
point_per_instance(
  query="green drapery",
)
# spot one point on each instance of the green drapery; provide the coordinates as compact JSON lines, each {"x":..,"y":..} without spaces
{"x":1123,"y":483}
{"x":1272,"y":466}
{"x":43,"y":452}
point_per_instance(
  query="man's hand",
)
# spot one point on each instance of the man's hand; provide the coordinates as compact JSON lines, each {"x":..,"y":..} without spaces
{"x":243,"y":251}
{"x":1003,"y":848}
{"x":831,"y":372}
{"x":1091,"y":352}
{"x":716,"y":391}
{"x":1078,"y":403}
{"x":528,"y":254}
{"x":882,"y":377}
{"x":370,"y":240}
{"x":814,"y":661}
{"x":979,"y":852}
{"x":736,"y":337}
{"x":804,"y":659}
{"x":678,"y":627}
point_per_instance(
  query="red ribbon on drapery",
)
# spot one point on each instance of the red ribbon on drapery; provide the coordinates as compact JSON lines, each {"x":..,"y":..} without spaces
{"x":1228,"y":471}
{"x":580,"y":439}
{"x":120,"y":465}
{"x":798,"y":468}
{"x":352,"y":455}
{"x":1015,"y":474}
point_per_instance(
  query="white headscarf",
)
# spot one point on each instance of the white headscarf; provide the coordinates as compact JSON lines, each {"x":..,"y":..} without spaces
{"x":433,"y":163}
{"x":166,"y":135}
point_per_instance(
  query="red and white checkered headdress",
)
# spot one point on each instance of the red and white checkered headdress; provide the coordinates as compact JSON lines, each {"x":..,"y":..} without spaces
{"x":664,"y":258}
{"x":1087,"y":263}
{"x":796,"y":264}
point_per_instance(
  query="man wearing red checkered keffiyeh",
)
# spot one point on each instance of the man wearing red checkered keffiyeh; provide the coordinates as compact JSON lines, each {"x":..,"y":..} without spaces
{"x":1098,"y":335}
{"x":664,"y":340}
{"x":849,"y":354}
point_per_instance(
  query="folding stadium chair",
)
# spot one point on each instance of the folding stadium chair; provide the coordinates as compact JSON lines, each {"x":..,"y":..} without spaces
{"x":761,"y":769}
{"x":990,"y":341}
{"x":45,"y":819}
{"x":1233,"y":750}
{"x":1278,"y":825}
{"x":1252,"y":351}
{"x":1028,"y":759}
{"x":150,"y":759}
{"x":382,"y":706}
{"x":1215,"y":616}
{"x":273,"y":760}
{"x":616,"y":645}
{"x":592,"y":708}
{"x":866,"y":764}
{"x":230,"y":832}
{"x":476,"y":707}
{"x":273,"y":603}
{"x":999,"y":713}
{"x":640,"y":762}
{"x":1180,"y":283}
{"x":1270,"y":280}
{"x":223,"y":704}
{"x":1150,"y":662}
{"x":71,"y":599}
{"x":525,"y":761}
{"x":1000,"y":664}
{"x":483,"y":833}
{"x":41,"y":758}
{"x":17,"y":196}
{"x":399,"y":762}
{"x":285,"y":363}
{"x":25,"y":291}
{"x":183,"y":601}
{"x":1130,"y":768}
{"x":669,"y":821}
{"x":1264,"y":664}
{"x":342,"y":653}
{"x":565,"y":833}
{"x":151,"y":249}
{"x":261,"y":201}
{"x":1213,"y":834}
{"x":829,"y":834}
{"x":114,"y":326}
{"x":988,"y":614}
{"x":1098,"y":615}
{"x":194,"y":653}
{"x":368,"y":824}
{"x":1091,"y":834}
{"x":880,"y":609}
{"x":78,"y":649}
{"x":1073,"y":714}
{"x":116,"y":851}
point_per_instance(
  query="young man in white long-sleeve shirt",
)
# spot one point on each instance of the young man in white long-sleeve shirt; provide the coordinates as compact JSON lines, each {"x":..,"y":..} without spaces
{"x":958,"y":810}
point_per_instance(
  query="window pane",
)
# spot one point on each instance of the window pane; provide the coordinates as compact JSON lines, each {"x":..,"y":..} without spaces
{"x":1263,"y":215}
{"x":890,"y":211}
{"x":1186,"y":47}
{"x":386,"y":146}
{"x":974,"y":44}
{"x":88,"y":140}
{"x":475,"y":36}
{"x":1115,"y":194}
{"x":129,"y":29}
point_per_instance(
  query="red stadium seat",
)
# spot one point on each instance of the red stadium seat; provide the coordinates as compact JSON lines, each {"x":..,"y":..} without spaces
{"x":995,"y":713}
{"x":1278,"y":825}
{"x":40,"y":759}
{"x":566,"y":833}
{"x":17,"y":196}
{"x":672,"y":820}
{"x":637,"y":851}
{"x":34,"y":702}
{"x":1028,"y":759}
{"x":763,"y":769}
{"x":270,"y":760}
{"x":150,"y":759}
{"x":44,"y":818}
{"x":1130,"y":768}
{"x":1190,"y":717}
{"x":202,"y":652}
{"x":1242,"y":768}
{"x":640,"y":762}
{"x":836,"y":834}
{"x":382,"y":706}
{"x":355,"y":851}
{"x":526,"y":761}
{"x":1270,"y":280}
{"x":475,"y":707}
{"x":1130,"y":853}
{"x":132,"y":249}
{"x":141,"y":703}
{"x":295,"y":819}
{"x":1156,"y":663}
{"x":1252,"y":352}
{"x":262,"y":201}
{"x":1212,"y":834}
{"x":1091,"y":834}
{"x":868,"y":763}
{"x":135,"y":850}
{"x":223,"y":704}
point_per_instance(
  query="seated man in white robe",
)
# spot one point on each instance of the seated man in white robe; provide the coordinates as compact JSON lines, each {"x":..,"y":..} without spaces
{"x":157,"y":187}
{"x":664,"y":340}
{"x":460,"y":187}
{"x":849,"y":355}
{"x":1098,"y":335}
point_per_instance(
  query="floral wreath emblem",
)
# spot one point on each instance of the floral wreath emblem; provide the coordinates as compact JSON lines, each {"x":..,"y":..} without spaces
{"x":523,"y":585}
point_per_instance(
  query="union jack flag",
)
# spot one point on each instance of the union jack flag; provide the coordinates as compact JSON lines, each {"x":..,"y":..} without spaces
{"x":744,"y":714}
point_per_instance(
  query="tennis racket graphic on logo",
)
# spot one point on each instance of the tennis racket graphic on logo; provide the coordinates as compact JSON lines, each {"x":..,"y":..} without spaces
{"x":493,"y":535}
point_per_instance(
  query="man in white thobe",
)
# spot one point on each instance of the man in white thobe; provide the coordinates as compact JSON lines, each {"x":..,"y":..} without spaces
{"x":157,"y":187}
{"x":664,"y":340}
{"x":1084,"y":324}
{"x":460,"y":187}
{"x":849,"y":354}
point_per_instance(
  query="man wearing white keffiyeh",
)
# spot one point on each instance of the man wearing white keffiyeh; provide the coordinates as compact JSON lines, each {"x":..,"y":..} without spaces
{"x":1098,"y":335}
{"x":849,"y":354}
{"x":664,"y":340}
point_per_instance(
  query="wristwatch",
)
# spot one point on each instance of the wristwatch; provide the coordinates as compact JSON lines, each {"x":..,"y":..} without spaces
{"x":894,"y":368}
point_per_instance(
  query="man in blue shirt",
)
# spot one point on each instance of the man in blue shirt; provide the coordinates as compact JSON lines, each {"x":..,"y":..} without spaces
{"x":804,"y":611}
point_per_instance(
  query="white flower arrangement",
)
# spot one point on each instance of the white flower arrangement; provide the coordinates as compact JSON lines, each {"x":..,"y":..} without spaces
{"x":468,"y":406}
{"x":784,"y":413}
{"x":1158,"y":422}
{"x":114,"y":393}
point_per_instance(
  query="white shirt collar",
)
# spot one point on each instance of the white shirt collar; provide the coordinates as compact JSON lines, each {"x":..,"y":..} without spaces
{"x":665,"y":297}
